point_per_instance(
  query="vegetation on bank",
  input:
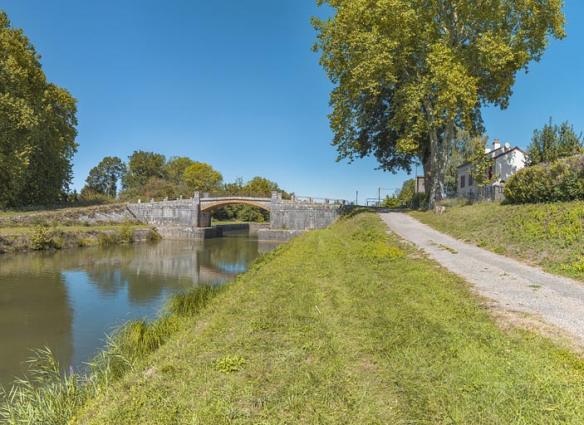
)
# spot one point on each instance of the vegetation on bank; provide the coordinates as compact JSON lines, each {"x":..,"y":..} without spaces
{"x":343,"y":325}
{"x":561,"y":180}
{"x":547,"y":235}
{"x":70,"y":228}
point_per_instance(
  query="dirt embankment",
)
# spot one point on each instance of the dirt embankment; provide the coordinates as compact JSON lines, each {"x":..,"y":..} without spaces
{"x":71,"y":228}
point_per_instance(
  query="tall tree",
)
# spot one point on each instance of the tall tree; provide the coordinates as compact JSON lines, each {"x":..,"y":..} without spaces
{"x":409,"y":72}
{"x":104,"y":177}
{"x":553,"y":142}
{"x":174,"y":169}
{"x":202,"y":177}
{"x":141,"y":167}
{"x":261,"y":185}
{"x":37,"y":125}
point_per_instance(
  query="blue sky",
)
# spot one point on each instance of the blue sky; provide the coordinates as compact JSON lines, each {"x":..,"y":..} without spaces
{"x":234,"y":83}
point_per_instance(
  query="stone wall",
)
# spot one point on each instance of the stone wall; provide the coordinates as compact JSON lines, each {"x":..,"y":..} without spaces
{"x":167,"y":214}
{"x":289,"y":216}
{"x":267,"y":235}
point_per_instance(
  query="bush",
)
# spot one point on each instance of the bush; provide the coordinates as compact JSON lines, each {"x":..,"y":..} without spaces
{"x":41,"y":240}
{"x":562,"y":180}
{"x":107,"y":239}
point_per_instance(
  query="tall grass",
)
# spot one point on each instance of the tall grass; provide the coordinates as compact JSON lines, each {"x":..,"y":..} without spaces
{"x":46,"y":395}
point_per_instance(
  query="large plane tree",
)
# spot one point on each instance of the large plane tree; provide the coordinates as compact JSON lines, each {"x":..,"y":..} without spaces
{"x":409,"y":73}
{"x":37,"y":125}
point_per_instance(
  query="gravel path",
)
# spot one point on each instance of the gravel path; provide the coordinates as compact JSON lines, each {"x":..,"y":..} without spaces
{"x":512,"y":285}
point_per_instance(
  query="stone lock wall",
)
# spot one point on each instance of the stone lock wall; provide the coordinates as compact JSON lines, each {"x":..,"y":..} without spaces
{"x":167,"y":213}
{"x":292,"y":216}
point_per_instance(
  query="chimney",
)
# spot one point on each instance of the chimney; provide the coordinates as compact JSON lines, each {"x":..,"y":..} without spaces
{"x":487,"y":149}
{"x":496,"y":144}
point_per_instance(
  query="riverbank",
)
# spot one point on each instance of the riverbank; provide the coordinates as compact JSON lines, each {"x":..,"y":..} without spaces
{"x":343,"y":325}
{"x":547,"y":235}
{"x":70,"y":228}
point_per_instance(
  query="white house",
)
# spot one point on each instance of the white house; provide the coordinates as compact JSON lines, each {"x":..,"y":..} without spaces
{"x":506,"y":162}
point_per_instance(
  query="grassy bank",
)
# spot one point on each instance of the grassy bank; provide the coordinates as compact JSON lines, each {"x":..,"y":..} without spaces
{"x":340,"y":326}
{"x":69,"y":228}
{"x":547,"y":235}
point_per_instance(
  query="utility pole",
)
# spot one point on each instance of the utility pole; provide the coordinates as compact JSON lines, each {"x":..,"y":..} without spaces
{"x":357,"y":198}
{"x":379,"y":197}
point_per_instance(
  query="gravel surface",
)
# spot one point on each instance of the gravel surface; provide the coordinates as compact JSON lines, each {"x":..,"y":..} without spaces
{"x":512,"y":285}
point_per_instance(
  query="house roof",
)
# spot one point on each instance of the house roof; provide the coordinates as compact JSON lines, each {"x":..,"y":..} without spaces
{"x":495,"y":154}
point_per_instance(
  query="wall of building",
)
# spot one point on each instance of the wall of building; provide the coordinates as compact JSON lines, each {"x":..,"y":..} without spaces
{"x":509,"y":164}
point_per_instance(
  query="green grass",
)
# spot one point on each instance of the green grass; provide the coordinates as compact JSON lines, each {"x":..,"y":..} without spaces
{"x":345,"y":326}
{"x":547,"y":235}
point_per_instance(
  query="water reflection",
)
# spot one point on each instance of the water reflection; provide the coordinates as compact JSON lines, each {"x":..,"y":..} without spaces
{"x":68,"y":300}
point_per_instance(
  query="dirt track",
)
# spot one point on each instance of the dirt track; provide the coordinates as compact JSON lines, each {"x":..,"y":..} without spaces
{"x":512,"y":285}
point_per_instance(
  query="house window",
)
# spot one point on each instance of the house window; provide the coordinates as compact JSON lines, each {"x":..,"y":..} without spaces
{"x":490,"y":172}
{"x":462,"y":181}
{"x":470,"y":180}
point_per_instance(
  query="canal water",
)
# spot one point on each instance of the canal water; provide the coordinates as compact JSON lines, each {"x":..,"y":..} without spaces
{"x":69,"y":300}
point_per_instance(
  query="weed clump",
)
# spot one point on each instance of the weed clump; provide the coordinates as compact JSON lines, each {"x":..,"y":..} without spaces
{"x":41,"y":240}
{"x":229,"y":364}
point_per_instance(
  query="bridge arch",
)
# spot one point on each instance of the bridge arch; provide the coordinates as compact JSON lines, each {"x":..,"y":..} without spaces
{"x":216,"y":204}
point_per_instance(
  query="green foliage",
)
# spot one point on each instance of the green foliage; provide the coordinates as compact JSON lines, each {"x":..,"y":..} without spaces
{"x":174,"y":169}
{"x":45,"y":396}
{"x":41,"y":240}
{"x":93,"y":198}
{"x":103,"y":178}
{"x":189,"y":303}
{"x":562,"y":180}
{"x":408,"y":73}
{"x":37,"y":126}
{"x":463,"y":147}
{"x":391,"y":202}
{"x":229,"y":364}
{"x":481,"y":164}
{"x":202,"y":177}
{"x":105,"y":239}
{"x":407,"y":192}
{"x":155,"y":188}
{"x":554,"y":142}
{"x":126,"y":233}
{"x":142,"y":166}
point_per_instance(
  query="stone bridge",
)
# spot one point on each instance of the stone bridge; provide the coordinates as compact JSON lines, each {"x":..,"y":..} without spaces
{"x":191,"y":218}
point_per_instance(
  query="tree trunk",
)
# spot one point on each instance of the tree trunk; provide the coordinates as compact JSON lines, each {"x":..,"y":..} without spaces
{"x":439,"y":148}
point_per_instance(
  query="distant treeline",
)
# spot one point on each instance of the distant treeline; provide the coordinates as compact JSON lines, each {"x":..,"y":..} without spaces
{"x":149,"y":175}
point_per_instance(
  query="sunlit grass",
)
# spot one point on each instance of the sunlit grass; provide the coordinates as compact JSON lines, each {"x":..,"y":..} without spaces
{"x":340,"y":326}
{"x":49,"y":395}
{"x":347,"y":325}
{"x":547,"y":235}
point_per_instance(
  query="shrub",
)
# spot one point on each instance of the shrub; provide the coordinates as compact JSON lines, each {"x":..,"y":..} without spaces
{"x":107,"y":239}
{"x":126,"y":234}
{"x":562,"y":180}
{"x":41,"y":240}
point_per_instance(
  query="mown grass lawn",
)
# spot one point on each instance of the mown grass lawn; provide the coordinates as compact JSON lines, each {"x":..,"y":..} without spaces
{"x":347,"y":326}
{"x":547,"y":235}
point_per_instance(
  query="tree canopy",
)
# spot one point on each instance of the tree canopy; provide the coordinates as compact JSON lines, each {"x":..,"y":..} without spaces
{"x":408,"y":73}
{"x":37,"y":125}
{"x":103,"y":179}
{"x":553,"y":142}
{"x":202,"y":177}
{"x":142,"y":166}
